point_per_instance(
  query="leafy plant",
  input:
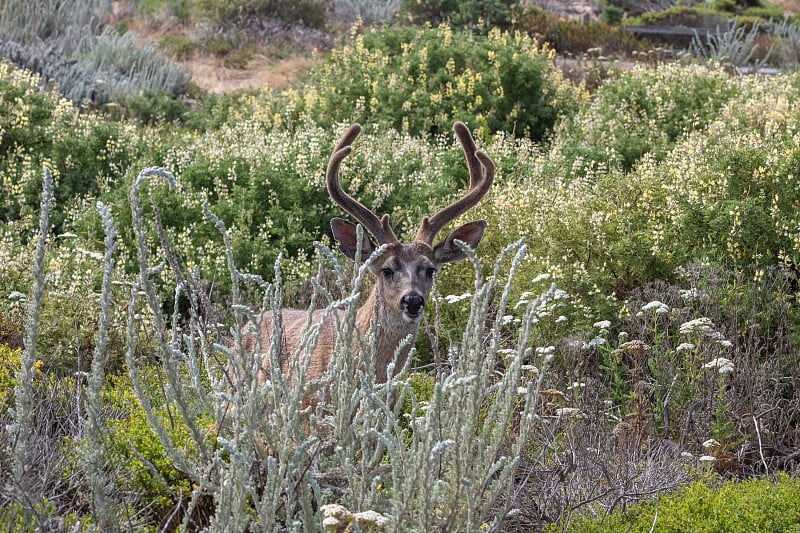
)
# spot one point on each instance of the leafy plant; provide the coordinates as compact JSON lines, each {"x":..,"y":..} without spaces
{"x":421,"y":80}
{"x":312,"y":13}
{"x":465,"y":14}
{"x":753,"y":505}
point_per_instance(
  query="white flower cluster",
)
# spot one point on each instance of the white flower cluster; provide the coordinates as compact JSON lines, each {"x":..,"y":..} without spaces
{"x":655,"y":307}
{"x":723,"y":365}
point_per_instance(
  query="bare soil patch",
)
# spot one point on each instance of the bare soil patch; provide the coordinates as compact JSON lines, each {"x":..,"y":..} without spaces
{"x":211,"y":75}
{"x":789,"y":6}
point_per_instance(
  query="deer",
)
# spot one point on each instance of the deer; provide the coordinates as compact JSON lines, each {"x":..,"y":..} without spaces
{"x":403,"y":273}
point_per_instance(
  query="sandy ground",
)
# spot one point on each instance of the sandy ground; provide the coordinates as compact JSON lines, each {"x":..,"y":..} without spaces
{"x":216,"y":78}
{"x":790,"y":6}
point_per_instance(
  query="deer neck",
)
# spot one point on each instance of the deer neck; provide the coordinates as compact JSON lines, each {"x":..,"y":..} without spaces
{"x":390,"y":330}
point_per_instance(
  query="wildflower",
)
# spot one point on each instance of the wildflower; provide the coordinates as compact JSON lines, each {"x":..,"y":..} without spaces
{"x":545,"y":350}
{"x":707,"y":460}
{"x":603,"y":324}
{"x":594,"y":343}
{"x":723,"y":365}
{"x":370,"y":518}
{"x":335,"y":516}
{"x":656,"y":307}
{"x":560,"y":294}
{"x":701,"y":325}
{"x":711,"y":443}
{"x":540,"y":277}
{"x":577,"y":385}
{"x":635,"y":348}
{"x":560,"y":319}
{"x":530,"y":369}
{"x":690,"y":295}
{"x":553,"y":394}
{"x":685,"y":347}
{"x":570,"y":413}
{"x":451,"y":298}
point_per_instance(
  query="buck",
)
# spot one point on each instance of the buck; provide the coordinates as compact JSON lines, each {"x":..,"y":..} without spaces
{"x":404,"y":271}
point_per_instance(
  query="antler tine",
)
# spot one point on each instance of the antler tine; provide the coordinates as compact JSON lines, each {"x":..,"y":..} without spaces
{"x":380,"y":229}
{"x":480,"y":181}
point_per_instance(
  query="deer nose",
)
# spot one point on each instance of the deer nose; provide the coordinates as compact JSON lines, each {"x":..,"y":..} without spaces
{"x":411,"y":303}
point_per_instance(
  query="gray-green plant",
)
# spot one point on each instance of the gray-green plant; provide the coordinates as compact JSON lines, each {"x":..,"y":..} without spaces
{"x":24,"y":455}
{"x":370,"y":11}
{"x":70,"y":43}
{"x":270,"y":460}
{"x":735,"y":46}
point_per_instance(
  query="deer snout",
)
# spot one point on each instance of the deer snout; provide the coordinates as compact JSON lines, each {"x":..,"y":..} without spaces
{"x":412,"y":304}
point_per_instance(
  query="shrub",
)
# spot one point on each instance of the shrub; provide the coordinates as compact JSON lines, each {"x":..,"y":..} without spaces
{"x":612,"y":14}
{"x":370,"y":11}
{"x":421,"y":80}
{"x":691,"y":17}
{"x":461,"y":14}
{"x":311,"y":13}
{"x":643,"y":111}
{"x":86,"y":153}
{"x":578,"y":36}
{"x":702,"y":195}
{"x":753,"y":505}
{"x":71,"y":45}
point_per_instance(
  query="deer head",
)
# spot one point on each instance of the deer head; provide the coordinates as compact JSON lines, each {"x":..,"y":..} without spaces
{"x":405,"y":271}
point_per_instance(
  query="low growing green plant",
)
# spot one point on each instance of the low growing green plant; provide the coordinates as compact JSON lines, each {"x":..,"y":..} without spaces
{"x":758,"y":505}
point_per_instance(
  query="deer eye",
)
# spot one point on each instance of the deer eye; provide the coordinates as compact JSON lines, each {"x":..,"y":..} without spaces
{"x":430,"y":272}
{"x":387,"y":273}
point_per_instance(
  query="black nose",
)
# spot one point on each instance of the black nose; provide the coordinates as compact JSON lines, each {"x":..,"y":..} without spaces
{"x":411,"y":303}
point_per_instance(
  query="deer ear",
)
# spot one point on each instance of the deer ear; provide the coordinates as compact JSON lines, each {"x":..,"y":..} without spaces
{"x":345,"y":234}
{"x":471,"y":233}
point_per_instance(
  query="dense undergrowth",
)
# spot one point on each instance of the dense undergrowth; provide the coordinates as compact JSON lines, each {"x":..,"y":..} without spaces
{"x":643,"y":336}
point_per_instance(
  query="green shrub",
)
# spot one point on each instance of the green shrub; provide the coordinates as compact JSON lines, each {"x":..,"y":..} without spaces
{"x":461,"y":14}
{"x":311,"y":13}
{"x":669,"y":179}
{"x":578,"y":36}
{"x":178,"y":46}
{"x":422,"y":80}
{"x":644,"y":111}
{"x":612,"y":14}
{"x":147,"y":472}
{"x":725,"y":6}
{"x":771,"y":12}
{"x":757,"y":505}
{"x":692,"y":17}
{"x":86,"y":153}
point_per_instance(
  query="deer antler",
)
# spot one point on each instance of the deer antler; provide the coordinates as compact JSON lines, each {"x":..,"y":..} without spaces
{"x":480,"y":181}
{"x":380,"y":229}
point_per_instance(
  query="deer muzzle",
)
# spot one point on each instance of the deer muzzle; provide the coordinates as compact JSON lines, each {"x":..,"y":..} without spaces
{"x":412,"y":305}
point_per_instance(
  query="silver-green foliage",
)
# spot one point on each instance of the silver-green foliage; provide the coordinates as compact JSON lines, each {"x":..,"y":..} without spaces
{"x":273,"y":452}
{"x":736,"y":46}
{"x":24,"y":449}
{"x":370,"y":11}
{"x":69,"y":42}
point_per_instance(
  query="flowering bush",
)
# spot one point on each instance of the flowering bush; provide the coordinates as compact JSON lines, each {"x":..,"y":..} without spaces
{"x":422,"y":80}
